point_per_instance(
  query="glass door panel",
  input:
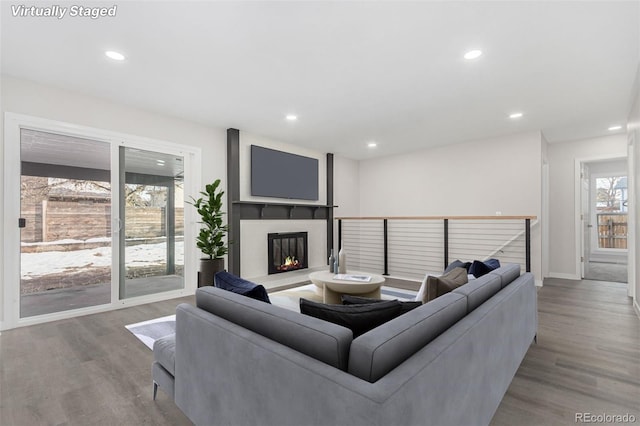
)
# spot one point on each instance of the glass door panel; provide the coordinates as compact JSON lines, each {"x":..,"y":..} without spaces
{"x":65,"y":210}
{"x":152,"y":209}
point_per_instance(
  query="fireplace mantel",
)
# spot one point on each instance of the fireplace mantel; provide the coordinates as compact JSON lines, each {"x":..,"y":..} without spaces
{"x":278,"y":210}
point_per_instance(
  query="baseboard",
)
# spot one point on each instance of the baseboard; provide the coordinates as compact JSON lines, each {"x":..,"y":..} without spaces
{"x":562,"y":276}
{"x":538,"y":283}
{"x":636,"y":308}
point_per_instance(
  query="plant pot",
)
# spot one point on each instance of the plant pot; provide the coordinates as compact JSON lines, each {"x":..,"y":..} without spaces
{"x":208,"y":268}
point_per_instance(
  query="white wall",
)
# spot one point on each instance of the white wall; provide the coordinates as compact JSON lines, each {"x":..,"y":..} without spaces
{"x":24,"y":97}
{"x":475,"y":178}
{"x":253,"y":233}
{"x":562,"y":216}
{"x":544,"y":215}
{"x":346,"y":188}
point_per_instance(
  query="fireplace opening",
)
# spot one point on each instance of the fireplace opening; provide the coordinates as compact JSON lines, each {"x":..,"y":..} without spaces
{"x":287,"y":252}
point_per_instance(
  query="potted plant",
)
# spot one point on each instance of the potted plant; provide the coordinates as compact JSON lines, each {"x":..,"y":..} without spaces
{"x":210,"y":240}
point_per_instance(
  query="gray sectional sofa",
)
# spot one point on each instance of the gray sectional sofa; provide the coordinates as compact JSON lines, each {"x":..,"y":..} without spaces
{"x":238,"y":361}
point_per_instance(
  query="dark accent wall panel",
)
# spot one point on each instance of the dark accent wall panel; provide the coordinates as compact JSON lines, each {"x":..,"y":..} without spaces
{"x":233,"y":193}
{"x":329,"y":203}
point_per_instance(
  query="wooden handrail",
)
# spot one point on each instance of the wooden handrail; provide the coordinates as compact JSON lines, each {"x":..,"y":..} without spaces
{"x":436,"y":217}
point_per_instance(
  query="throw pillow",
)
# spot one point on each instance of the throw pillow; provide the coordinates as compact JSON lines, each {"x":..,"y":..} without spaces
{"x":358,"y":318}
{"x":437,"y":286}
{"x":457,"y":264}
{"x":405,"y":307}
{"x":479,"y":268}
{"x":230,"y":282}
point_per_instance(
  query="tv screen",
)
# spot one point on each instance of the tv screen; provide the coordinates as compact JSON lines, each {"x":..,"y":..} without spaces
{"x":283,"y":175}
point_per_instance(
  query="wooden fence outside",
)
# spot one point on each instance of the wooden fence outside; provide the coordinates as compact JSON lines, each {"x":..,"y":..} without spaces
{"x":612,"y":230}
{"x":60,"y":219}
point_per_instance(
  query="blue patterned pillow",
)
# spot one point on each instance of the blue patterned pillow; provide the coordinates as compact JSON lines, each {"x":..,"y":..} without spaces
{"x":230,"y":282}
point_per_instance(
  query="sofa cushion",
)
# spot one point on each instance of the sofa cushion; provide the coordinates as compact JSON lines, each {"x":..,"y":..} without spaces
{"x":164,"y":352}
{"x":379,"y":351}
{"x":507,"y":273}
{"x":318,"y":339}
{"x":230,"y":282}
{"x":479,"y":290}
{"x":479,"y":268}
{"x":358,"y":318}
{"x":437,"y":286}
{"x":457,"y":264}
{"x":348,"y":299}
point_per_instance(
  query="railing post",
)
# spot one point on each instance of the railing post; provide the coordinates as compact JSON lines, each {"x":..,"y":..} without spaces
{"x":339,"y":234}
{"x":446,"y":243}
{"x":527,"y":243}
{"x":386,"y":246}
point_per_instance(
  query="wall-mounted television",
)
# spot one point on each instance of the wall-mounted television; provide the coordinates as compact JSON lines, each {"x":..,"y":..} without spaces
{"x":283,"y":175}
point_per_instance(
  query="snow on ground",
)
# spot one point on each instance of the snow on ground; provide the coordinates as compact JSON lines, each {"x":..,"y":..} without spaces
{"x":68,"y":241}
{"x":39,"y":264}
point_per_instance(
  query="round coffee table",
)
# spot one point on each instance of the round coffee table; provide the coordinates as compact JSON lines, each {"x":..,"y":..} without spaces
{"x":333,"y":289}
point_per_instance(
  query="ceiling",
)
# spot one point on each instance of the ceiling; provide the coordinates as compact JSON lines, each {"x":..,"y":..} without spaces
{"x":63,"y":150}
{"x":353,"y":72}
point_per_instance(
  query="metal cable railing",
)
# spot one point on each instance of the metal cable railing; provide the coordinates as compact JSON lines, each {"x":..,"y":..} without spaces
{"x":409,"y":247}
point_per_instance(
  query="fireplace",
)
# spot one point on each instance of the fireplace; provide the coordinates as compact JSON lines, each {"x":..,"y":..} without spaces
{"x":287,"y":252}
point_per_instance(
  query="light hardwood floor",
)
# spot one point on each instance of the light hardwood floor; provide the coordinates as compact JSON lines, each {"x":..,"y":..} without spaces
{"x":587,"y":359}
{"x":92,"y":371}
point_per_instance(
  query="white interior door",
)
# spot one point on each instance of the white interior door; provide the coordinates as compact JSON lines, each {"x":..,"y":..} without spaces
{"x":585,"y":217}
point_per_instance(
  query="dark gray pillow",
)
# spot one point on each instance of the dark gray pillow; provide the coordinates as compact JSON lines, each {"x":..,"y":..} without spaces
{"x":358,"y":318}
{"x":437,"y":286}
{"x":405,"y":307}
{"x":457,"y":264}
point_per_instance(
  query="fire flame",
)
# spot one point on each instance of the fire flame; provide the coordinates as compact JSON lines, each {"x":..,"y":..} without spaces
{"x":290,"y":261}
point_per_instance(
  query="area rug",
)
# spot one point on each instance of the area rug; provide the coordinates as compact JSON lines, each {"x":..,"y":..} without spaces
{"x":149,"y":331}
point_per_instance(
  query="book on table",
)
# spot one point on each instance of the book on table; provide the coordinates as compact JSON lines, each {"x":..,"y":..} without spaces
{"x":352,"y":277}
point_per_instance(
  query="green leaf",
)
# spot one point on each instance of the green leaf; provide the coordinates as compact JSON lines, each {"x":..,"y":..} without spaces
{"x":211,"y":238}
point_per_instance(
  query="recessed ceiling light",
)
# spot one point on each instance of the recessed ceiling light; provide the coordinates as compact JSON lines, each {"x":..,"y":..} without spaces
{"x":372,"y":144}
{"x":116,"y":56}
{"x":473,"y":54}
{"x":515,"y":115}
{"x":616,"y":127}
{"x":291,"y":117}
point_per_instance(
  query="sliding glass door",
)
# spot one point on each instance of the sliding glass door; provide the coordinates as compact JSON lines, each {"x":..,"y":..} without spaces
{"x":65,"y":223}
{"x":95,"y":222}
{"x":152,"y":209}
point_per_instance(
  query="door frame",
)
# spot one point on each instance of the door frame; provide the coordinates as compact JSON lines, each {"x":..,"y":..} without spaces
{"x":579,"y":229}
{"x":11,"y":277}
